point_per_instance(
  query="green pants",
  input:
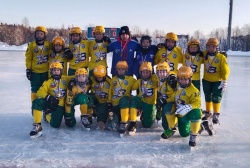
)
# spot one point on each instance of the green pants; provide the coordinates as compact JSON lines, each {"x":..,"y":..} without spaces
{"x":148,"y":111}
{"x":56,"y":114}
{"x":166,"y":109}
{"x":37,"y":81}
{"x":101,"y":108}
{"x":197,"y":84}
{"x":184,"y":122}
{"x":211,"y":91}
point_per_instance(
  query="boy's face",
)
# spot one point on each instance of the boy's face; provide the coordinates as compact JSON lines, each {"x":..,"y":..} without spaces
{"x":183,"y":81}
{"x":121,"y":71}
{"x":75,"y":37}
{"x":56,"y":71}
{"x":193,"y":48}
{"x":58,"y":47}
{"x":211,"y":48}
{"x":124,"y":37}
{"x":98,"y":36}
{"x":40,"y":34}
{"x":99,"y":79}
{"x":145,"y":43}
{"x":170,"y":43}
{"x":81,"y":78}
{"x":145,"y":74}
{"x":162,"y":74}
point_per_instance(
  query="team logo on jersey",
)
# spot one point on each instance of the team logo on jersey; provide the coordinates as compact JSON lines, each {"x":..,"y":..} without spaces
{"x":130,"y":50}
{"x":115,"y":83}
{"x":52,"y":55}
{"x":53,"y":85}
{"x":174,"y":55}
{"x":46,"y":49}
{"x":63,"y":82}
{"x":183,"y":93}
{"x":163,"y":55}
{"x":73,"y":49}
{"x":104,"y":46}
{"x":117,"y":50}
{"x":187,"y":57}
{"x":83,"y":46}
{"x":96,"y":86}
{"x":198,"y":59}
{"x":151,"y":82}
{"x":94,"y":47}
{"x":164,"y":89}
{"x":107,"y":86}
{"x":35,"y":50}
{"x":151,"y":56}
{"x":125,"y":82}
{"x":216,"y":60}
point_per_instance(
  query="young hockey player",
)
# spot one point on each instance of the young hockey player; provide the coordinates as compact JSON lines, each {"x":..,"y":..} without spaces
{"x":146,"y":98}
{"x":59,"y":53}
{"x":123,"y":50}
{"x":77,"y":95}
{"x":214,"y":82}
{"x":100,"y":85}
{"x":146,"y":53}
{"x":194,"y":58}
{"x":188,"y":102}
{"x":50,"y":95}
{"x":120,"y":93}
{"x":98,"y":49}
{"x":37,"y":60}
{"x":170,"y":53}
{"x":166,"y":89}
{"x":80,"y":50}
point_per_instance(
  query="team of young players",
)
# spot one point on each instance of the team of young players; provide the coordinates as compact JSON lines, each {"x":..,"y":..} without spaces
{"x":175,"y":98}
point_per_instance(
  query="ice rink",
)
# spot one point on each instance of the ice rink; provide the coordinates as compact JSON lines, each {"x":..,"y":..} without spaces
{"x":65,"y":147}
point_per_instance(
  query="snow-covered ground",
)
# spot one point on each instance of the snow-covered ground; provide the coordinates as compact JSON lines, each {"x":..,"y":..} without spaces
{"x":65,"y":147}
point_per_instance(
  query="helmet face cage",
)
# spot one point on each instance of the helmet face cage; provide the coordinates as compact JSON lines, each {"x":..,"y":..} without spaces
{"x":185,"y":72}
{"x":42,"y":29}
{"x":56,"y":65}
{"x":146,"y":66}
{"x":194,"y":42}
{"x":146,"y":38}
{"x":162,"y":70}
{"x":78,"y":73}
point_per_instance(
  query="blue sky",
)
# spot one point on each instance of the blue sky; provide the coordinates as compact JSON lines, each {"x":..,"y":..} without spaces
{"x":180,"y":16}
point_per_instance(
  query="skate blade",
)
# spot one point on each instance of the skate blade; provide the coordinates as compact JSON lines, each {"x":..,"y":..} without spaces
{"x":121,"y":135}
{"x":88,"y":129}
{"x":37,"y":135}
{"x":100,"y":128}
{"x":132,"y":132}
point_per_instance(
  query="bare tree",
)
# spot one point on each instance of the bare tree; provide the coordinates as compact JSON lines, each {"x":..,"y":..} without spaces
{"x":25,"y":22}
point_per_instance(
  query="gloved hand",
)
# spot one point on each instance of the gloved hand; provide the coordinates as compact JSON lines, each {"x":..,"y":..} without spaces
{"x":158,"y":115}
{"x":68,"y":53}
{"x":29,"y":74}
{"x":110,"y":107}
{"x":52,"y":100}
{"x":172,"y":81}
{"x":160,"y":102}
{"x":223,"y":86}
{"x":71,"y":83}
{"x":184,"y":110}
{"x":106,"y":39}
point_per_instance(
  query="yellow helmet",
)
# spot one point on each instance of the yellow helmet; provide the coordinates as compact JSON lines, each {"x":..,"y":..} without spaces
{"x":75,"y":30}
{"x":41,"y":28}
{"x":163,"y":66}
{"x":122,"y":65}
{"x":193,"y":42}
{"x":171,"y":36}
{"x":99,"y":29}
{"x":58,"y":40}
{"x":213,"y":41}
{"x":185,"y":72}
{"x":56,"y":65}
{"x":146,"y":66}
{"x":81,"y":71}
{"x":100,"y":71}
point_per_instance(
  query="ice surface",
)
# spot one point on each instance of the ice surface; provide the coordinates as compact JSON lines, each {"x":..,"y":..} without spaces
{"x":66,"y":147}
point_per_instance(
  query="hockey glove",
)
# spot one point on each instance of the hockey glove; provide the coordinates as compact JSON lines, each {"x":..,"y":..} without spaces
{"x":29,"y":74}
{"x":52,"y":101}
{"x":160,"y":102}
{"x":68,"y":53}
{"x":110,"y":107}
{"x":71,"y":83}
{"x":172,"y":81}
{"x":223,"y":86}
{"x":183,"y":110}
{"x":106,"y":39}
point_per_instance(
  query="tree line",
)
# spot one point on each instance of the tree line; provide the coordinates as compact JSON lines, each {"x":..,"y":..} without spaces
{"x":14,"y":34}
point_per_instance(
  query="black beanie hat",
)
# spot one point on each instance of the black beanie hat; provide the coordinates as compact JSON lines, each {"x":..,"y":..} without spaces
{"x":124,"y":30}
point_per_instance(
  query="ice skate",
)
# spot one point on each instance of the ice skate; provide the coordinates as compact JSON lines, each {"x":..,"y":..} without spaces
{"x":85,"y":122}
{"x":112,"y":123}
{"x":100,"y":125}
{"x":216,"y":118}
{"x":207,"y":115}
{"x":36,"y":132}
{"x":192,"y":140}
{"x":168,"y":133}
{"x":132,"y":128}
{"x":122,"y":129}
{"x":208,"y":126}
